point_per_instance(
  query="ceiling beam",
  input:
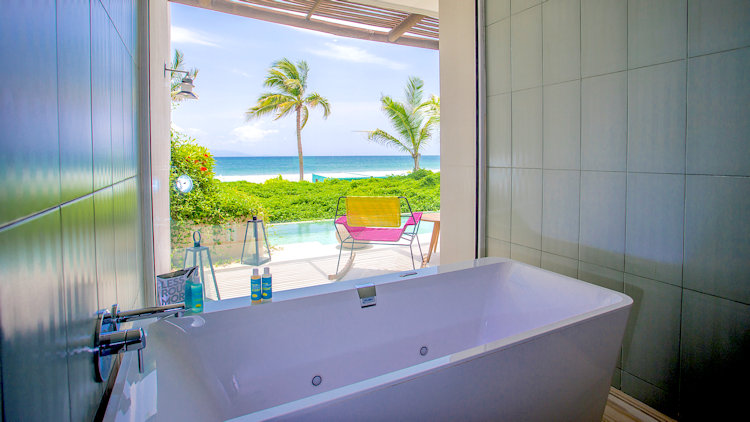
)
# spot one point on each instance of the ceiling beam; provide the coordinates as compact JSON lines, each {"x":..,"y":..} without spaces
{"x":312,"y":9}
{"x":246,"y":10}
{"x":404,"y":26}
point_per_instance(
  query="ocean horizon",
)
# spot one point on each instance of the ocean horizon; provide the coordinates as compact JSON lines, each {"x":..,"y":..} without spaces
{"x":259,"y":169}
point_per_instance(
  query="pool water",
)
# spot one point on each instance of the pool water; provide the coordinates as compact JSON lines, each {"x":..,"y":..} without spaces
{"x":322,"y":232}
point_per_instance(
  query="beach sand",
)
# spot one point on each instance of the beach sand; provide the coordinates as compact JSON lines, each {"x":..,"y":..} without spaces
{"x":260,"y":178}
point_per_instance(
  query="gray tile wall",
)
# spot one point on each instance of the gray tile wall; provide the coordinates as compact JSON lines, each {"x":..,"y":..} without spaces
{"x":618,"y":144}
{"x":69,"y":222}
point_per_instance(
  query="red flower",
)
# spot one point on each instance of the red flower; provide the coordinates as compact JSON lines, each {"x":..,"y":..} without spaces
{"x":205,"y":155}
{"x":204,"y":169}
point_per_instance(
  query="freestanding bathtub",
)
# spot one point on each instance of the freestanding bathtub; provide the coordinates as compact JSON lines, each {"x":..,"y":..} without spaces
{"x":490,"y":339}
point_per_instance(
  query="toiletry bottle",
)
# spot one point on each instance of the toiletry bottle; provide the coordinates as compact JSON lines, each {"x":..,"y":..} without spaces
{"x":194,"y":294}
{"x":255,"y":289}
{"x":266,"y":284}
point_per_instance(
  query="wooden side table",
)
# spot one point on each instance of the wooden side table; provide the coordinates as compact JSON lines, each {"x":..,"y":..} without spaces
{"x":433,"y":217}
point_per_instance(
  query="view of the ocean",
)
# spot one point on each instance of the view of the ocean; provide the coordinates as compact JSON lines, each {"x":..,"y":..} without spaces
{"x":256,"y":169}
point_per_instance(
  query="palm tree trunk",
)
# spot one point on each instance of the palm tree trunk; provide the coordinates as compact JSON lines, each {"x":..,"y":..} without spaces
{"x":416,"y":161}
{"x":299,"y":146}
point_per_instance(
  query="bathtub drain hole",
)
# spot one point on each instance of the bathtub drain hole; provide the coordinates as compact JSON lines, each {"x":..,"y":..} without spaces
{"x":317,"y":380}
{"x":423,"y":351}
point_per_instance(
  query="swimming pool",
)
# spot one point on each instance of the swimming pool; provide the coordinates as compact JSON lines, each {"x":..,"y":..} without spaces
{"x":320,"y":231}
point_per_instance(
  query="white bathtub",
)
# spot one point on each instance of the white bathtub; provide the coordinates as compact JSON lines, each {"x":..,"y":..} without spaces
{"x":505,"y":341}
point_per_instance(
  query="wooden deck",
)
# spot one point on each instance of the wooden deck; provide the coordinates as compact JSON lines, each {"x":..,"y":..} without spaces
{"x":293,"y":273}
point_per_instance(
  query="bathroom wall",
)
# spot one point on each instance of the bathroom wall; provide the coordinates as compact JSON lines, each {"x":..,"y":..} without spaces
{"x":619,"y":153}
{"x":69,"y":212}
{"x":457,"y":131}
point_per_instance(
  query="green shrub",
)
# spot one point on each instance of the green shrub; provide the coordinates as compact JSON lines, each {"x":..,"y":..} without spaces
{"x":210,"y":201}
{"x":285,"y":201}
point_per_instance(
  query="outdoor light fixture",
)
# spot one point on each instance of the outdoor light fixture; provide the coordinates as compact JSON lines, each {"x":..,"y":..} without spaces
{"x":186,"y":86}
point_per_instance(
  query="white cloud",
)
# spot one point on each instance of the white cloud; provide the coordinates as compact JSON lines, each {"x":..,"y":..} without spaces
{"x":251,"y":132}
{"x":355,"y":54}
{"x":195,"y":132}
{"x":241,"y":73}
{"x":182,"y":35}
{"x":190,"y":131}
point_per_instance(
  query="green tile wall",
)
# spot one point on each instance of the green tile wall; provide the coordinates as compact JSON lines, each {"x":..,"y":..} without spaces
{"x":70,"y":158}
{"x":618,"y":153}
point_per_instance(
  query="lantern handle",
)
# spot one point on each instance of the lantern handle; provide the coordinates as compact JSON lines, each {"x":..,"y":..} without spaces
{"x":197,"y":242}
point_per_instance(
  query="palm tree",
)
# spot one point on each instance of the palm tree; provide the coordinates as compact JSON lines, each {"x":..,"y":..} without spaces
{"x":289,"y":82}
{"x":178,"y":61}
{"x":413,"y":120}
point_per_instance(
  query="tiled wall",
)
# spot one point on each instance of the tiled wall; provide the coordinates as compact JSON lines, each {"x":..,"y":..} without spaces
{"x":69,"y":220}
{"x":618,"y":148}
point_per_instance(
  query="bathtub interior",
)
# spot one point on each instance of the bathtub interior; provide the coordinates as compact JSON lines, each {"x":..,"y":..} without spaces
{"x":244,"y":360}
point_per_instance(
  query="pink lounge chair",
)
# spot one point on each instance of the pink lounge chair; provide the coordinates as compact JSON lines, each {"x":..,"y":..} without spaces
{"x":375,"y":220}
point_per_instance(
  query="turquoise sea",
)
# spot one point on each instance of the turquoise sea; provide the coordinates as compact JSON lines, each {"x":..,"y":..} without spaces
{"x":253,"y":166}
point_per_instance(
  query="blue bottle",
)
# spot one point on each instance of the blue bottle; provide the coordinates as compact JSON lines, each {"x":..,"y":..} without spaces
{"x":267,"y":288}
{"x":193,"y":295}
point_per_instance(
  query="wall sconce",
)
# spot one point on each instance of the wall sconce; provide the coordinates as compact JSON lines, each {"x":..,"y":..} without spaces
{"x":186,"y":86}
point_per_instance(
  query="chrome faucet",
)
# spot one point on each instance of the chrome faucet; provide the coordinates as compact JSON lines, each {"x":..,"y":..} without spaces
{"x":153,"y":312}
{"x":109,"y":340}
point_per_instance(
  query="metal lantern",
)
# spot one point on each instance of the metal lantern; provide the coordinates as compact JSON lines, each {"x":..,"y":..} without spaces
{"x":194,"y":258}
{"x":255,"y":250}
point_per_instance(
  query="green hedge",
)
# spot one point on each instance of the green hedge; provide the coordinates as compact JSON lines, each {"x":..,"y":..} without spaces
{"x":285,"y":201}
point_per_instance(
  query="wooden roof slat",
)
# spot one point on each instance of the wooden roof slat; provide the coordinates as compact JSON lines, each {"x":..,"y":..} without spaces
{"x":354,"y":13}
{"x":312,"y":9}
{"x":334,"y":13}
{"x":404,"y":26}
{"x":335,"y":17}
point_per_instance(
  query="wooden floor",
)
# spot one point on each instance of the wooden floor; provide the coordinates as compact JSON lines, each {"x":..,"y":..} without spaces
{"x":234,"y":281}
{"x":623,"y":408}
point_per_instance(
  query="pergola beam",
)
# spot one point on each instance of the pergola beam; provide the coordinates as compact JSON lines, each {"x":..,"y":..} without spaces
{"x":404,"y":26}
{"x":312,"y":9}
{"x":298,"y":21}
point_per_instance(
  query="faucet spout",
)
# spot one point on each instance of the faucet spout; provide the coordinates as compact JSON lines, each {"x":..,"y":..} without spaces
{"x":110,"y":340}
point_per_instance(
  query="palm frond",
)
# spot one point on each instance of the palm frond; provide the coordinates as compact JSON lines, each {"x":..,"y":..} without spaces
{"x":303,"y":70}
{"x":287,"y":68}
{"x":414,"y":92}
{"x":425,"y":133}
{"x":285,"y":108}
{"x":384,"y":138}
{"x":431,"y":107}
{"x":304,"y":114}
{"x":315,"y":99}
{"x":267,"y":103}
{"x":399,"y":117}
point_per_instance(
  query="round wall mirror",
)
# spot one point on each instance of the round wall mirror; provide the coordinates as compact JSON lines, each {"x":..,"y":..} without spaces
{"x":183,"y":184}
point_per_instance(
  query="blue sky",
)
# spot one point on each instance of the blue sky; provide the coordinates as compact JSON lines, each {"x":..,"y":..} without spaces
{"x":233,"y":54}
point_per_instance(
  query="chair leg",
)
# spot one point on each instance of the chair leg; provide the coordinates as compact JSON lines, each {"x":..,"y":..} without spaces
{"x":411,"y":252}
{"x":421,"y":255}
{"x":341,"y":248}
